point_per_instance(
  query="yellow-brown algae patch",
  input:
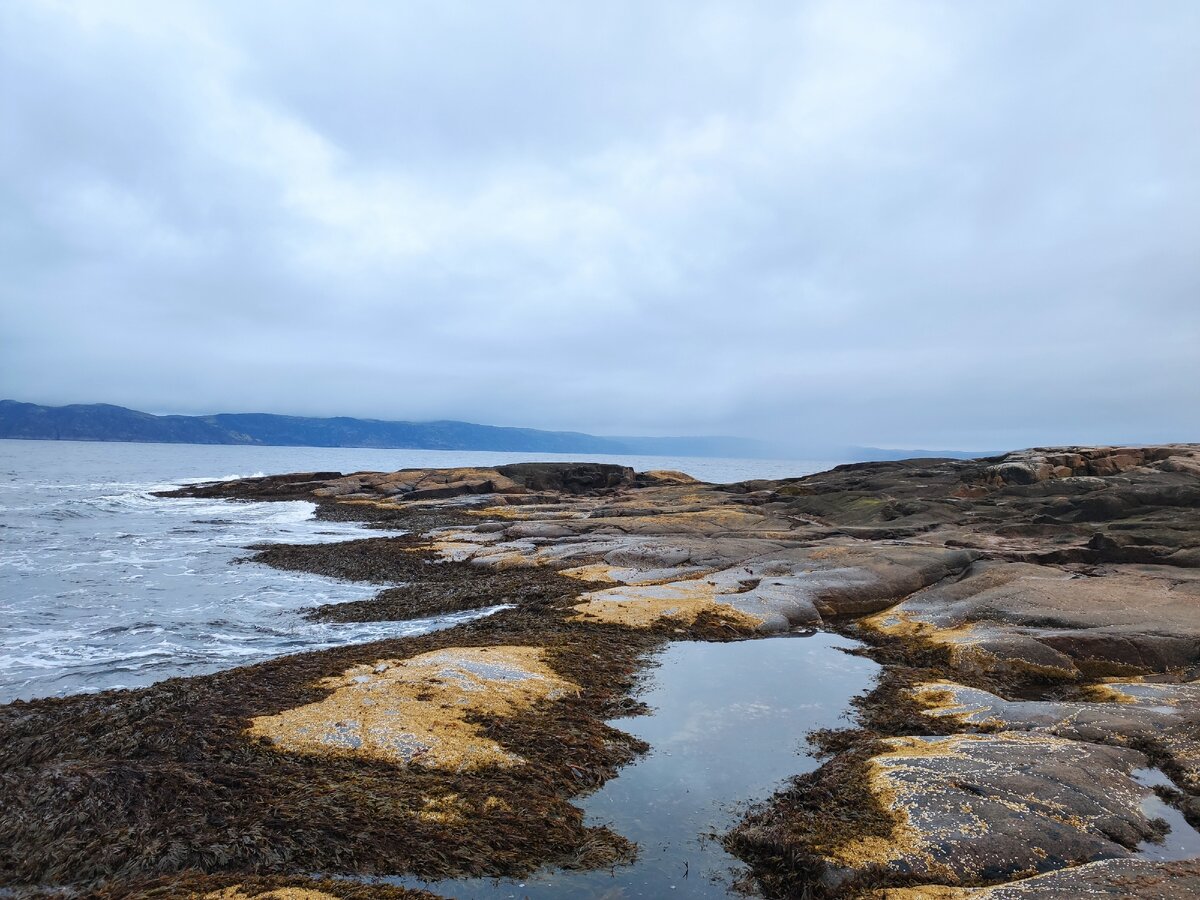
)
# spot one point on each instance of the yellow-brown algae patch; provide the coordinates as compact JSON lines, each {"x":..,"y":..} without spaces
{"x":597,"y":572}
{"x":701,"y":522}
{"x":452,"y":551}
{"x":669,"y":476}
{"x":511,"y":559}
{"x":644,"y":605}
{"x":964,"y":642}
{"x":452,"y":809}
{"x":492,"y":803}
{"x":915,"y":778}
{"x":445,"y":810}
{"x":873,"y":849}
{"x":458,"y":545}
{"x":603,"y":573}
{"x":927,"y":892}
{"x":415,"y":710}
{"x":897,"y":623}
{"x":528,"y":512}
{"x":236,"y":892}
{"x":483,"y":548}
{"x":1107,"y":693}
{"x":946,"y":699}
{"x":894,"y":795}
{"x":911,"y":746}
{"x":901,"y":623}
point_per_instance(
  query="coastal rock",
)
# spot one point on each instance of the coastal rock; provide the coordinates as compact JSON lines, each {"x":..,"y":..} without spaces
{"x":1116,"y":879}
{"x":569,"y":478}
{"x":780,"y":590}
{"x":1006,"y":616}
{"x":419,"y":484}
{"x":991,"y":807}
{"x":1162,"y":715}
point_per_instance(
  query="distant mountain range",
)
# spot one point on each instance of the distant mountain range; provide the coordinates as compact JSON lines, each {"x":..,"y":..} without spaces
{"x":103,"y":422}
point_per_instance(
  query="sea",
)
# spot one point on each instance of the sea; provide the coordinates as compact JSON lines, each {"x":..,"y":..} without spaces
{"x":103,"y":585}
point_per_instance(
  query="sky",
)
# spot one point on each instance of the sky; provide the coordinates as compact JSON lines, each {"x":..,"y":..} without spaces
{"x":910,"y":224}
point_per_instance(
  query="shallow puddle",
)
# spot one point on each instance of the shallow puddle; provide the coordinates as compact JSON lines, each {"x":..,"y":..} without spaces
{"x":728,"y":726}
{"x":1182,"y":841}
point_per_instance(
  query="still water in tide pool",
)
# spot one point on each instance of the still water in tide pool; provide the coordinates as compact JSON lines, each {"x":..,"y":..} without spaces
{"x":728,"y":724}
{"x":103,"y":585}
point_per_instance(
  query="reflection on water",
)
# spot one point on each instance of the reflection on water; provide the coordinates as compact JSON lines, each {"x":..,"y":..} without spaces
{"x":1181,"y":841}
{"x":728,"y":725}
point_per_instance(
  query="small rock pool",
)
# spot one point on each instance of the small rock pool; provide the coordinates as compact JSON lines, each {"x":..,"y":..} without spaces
{"x":727,"y":726}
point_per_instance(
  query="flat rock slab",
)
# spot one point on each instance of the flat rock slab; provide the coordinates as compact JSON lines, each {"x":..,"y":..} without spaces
{"x":1129,"y":712}
{"x":993,"y":807}
{"x":784,"y":589}
{"x":1016,"y":616}
{"x":1116,"y":879}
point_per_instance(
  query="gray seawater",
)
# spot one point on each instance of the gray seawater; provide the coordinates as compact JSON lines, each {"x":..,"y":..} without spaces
{"x":104,"y":586}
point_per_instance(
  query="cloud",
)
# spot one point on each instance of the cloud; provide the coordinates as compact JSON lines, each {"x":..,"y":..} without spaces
{"x":912,"y":224}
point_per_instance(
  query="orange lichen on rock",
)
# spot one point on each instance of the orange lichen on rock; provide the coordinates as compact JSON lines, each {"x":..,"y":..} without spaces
{"x":642,"y":606}
{"x":667,"y":476}
{"x":415,"y":710}
{"x":960,"y":800}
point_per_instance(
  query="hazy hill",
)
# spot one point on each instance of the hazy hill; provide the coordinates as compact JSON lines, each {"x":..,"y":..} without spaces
{"x":104,"y":422}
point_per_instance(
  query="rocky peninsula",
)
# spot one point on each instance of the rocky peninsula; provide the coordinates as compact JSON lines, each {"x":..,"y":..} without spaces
{"x":1035,"y":732}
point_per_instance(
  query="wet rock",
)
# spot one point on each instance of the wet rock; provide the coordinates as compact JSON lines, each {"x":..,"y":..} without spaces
{"x":294,"y":486}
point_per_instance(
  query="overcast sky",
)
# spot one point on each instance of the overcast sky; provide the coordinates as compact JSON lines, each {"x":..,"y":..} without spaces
{"x":971,"y":225}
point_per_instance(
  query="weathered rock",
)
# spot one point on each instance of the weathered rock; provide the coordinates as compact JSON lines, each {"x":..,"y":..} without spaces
{"x":569,"y":478}
{"x":1163,"y":715}
{"x":297,"y":485}
{"x":1042,"y":619}
{"x":418,"y":484}
{"x":1118,"y":879}
{"x":994,"y":807}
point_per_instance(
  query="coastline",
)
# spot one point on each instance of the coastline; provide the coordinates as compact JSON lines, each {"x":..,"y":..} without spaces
{"x":1033,"y":613}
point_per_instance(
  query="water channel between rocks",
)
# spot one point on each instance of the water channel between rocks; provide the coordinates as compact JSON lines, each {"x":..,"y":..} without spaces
{"x":727,"y":726}
{"x":1181,"y":841}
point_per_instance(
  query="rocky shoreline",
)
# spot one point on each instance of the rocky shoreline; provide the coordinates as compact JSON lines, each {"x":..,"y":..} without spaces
{"x":1037,"y":615}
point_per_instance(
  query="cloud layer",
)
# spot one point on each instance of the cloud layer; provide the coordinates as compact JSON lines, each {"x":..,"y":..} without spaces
{"x":948,"y":224}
